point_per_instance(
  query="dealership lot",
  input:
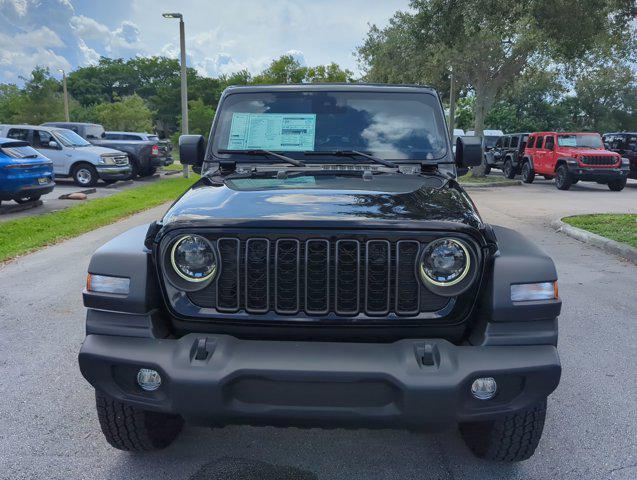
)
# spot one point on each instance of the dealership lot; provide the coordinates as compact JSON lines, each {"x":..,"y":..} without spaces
{"x":48,"y":427}
{"x":51,"y":202}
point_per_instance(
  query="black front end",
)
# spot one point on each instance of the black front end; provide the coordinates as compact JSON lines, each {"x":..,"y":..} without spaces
{"x":319,"y":327}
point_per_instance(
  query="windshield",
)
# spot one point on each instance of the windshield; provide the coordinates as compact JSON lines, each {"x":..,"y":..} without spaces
{"x":70,"y":138}
{"x":490,"y":141}
{"x":581,"y":140}
{"x":389,"y":125}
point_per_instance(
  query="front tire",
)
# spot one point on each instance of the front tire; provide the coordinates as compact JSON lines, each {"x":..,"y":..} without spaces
{"x":528,"y":175}
{"x":85,"y":175}
{"x":512,"y":438}
{"x":131,"y":429}
{"x":563,"y":178}
{"x":509,"y":171}
{"x":617,"y":185}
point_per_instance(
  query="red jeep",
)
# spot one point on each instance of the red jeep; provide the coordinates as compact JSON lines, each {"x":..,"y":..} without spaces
{"x":571,"y":157}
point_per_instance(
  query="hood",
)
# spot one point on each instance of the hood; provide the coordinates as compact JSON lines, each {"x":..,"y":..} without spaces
{"x":350,"y":200}
{"x":572,"y":151}
{"x":98,"y":150}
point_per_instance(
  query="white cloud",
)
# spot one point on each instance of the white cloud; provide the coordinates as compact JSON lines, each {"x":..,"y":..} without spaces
{"x":91,"y":57}
{"x":89,"y":29}
{"x":221,"y":36}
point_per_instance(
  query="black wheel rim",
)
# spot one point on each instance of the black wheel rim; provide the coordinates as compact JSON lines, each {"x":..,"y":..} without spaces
{"x":560,"y":177}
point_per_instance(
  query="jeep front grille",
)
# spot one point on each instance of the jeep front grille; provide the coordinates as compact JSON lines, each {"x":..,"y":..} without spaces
{"x":596,"y":160}
{"x":317,"y":276}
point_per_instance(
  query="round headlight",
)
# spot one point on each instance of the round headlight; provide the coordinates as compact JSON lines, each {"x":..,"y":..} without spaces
{"x":445,"y":262}
{"x":193,"y":258}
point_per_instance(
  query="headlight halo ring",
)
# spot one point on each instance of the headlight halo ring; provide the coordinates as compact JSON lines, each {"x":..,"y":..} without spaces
{"x":191,"y":280}
{"x":467,"y":268}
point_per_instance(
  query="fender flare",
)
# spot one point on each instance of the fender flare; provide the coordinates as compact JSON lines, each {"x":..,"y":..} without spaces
{"x":528,"y":158}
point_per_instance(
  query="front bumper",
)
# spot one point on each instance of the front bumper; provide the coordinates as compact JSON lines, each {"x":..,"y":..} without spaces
{"x":602,"y":175}
{"x":114,"y":172}
{"x":410,"y":383}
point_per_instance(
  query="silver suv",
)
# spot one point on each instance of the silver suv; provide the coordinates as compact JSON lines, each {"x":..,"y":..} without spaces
{"x":72,"y":156}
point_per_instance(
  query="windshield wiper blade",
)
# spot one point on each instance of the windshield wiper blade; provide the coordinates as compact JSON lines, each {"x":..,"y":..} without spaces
{"x":264,"y":153}
{"x":353,"y":153}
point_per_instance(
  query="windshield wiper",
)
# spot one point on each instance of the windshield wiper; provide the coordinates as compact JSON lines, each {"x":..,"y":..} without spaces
{"x":353,"y":153}
{"x":266,"y":153}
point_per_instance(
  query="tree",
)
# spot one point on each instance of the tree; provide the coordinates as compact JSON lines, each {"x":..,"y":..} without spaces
{"x":40,"y":100}
{"x":129,"y":114}
{"x":200,"y":117}
{"x":288,"y":69}
{"x":487,"y":43}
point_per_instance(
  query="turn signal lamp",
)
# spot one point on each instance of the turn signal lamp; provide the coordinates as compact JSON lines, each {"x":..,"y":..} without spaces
{"x":107,"y":284}
{"x":529,"y":292}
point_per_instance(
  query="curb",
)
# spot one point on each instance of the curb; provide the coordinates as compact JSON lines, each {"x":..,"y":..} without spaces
{"x":606,"y":244}
{"x":512,"y":183}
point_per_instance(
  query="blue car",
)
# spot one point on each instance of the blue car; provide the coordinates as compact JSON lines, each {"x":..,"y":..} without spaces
{"x":25,"y":174}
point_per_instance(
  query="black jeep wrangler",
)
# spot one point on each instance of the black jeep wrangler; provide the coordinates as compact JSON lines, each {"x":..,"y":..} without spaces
{"x":507,"y":154}
{"x":327,"y":270}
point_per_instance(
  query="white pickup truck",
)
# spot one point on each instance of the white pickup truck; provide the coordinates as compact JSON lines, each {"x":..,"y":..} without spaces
{"x":72,"y":156}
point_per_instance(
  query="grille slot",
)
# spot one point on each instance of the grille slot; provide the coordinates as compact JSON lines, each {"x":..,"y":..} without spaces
{"x":347,"y":278}
{"x":599,"y":160}
{"x":377,"y":277}
{"x":318,"y":277}
{"x":228,"y":281}
{"x":286,"y":266}
{"x":257,"y":275}
{"x":407,"y":286}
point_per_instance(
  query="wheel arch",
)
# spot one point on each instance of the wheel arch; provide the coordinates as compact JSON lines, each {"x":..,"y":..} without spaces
{"x":528,"y":158}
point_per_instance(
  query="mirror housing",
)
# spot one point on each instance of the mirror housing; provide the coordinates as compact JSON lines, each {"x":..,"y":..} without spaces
{"x":192,"y":150}
{"x":468,"y":152}
{"x":56,"y":145}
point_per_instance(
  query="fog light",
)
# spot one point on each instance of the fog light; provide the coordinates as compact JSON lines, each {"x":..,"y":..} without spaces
{"x":148,"y":379}
{"x":484,"y":388}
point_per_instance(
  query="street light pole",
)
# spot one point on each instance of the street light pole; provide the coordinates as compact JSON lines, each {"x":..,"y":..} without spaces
{"x":66,"y":97}
{"x":184,"y":84}
{"x":452,"y":104}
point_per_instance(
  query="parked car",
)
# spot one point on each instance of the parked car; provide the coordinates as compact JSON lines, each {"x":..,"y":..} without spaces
{"x":489,"y":139}
{"x":571,"y":157}
{"x":72,"y":156}
{"x":144,"y":155}
{"x":624,"y":143}
{"x":507,"y":153}
{"x":25,"y":174}
{"x":307,"y":280}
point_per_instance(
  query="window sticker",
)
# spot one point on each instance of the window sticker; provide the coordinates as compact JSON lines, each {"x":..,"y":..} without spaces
{"x":292,"y":132}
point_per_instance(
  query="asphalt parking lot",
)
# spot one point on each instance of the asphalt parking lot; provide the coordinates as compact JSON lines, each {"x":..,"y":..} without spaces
{"x":51,"y":202}
{"x":49,"y":429}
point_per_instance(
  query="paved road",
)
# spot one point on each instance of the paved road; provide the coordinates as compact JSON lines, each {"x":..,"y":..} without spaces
{"x":48,"y":427}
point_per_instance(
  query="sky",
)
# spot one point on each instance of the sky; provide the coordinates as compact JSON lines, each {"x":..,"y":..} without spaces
{"x":222,"y":36}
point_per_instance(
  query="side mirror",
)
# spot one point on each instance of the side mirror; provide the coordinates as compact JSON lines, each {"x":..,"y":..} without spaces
{"x":53,"y":144}
{"x":192,"y":149}
{"x":468,"y":152}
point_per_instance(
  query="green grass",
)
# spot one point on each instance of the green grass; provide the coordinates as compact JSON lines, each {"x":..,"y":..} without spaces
{"x":469,"y":178}
{"x":24,"y":235}
{"x":619,"y":227}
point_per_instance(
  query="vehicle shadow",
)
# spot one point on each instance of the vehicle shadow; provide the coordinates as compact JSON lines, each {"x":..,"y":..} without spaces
{"x":267,"y":453}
